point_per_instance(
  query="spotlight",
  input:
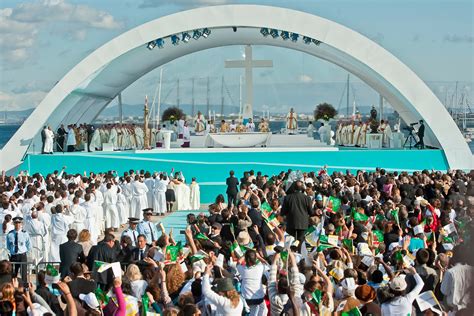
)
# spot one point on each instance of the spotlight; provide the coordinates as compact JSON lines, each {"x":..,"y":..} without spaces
{"x":315,"y":41}
{"x":307,"y":40}
{"x":264,"y":31}
{"x":206,"y":32}
{"x":197,"y":34}
{"x":234,"y":28}
{"x":151,"y":45}
{"x":175,"y":39}
{"x":294,"y":37}
{"x":274,"y":33}
{"x":285,"y":35}
{"x":160,"y":43}
{"x":186,"y":37}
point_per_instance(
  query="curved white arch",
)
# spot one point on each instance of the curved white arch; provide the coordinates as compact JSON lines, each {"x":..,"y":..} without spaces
{"x":87,"y":88}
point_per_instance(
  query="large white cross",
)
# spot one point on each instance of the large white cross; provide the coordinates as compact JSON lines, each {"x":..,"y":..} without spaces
{"x":248,"y":64}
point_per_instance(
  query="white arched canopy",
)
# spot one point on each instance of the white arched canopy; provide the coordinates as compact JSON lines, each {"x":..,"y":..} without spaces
{"x":90,"y":86}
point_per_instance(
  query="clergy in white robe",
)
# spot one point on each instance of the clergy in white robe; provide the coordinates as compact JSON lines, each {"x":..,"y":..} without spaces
{"x":38,"y":232}
{"x":139,"y":199}
{"x":291,"y":122}
{"x":150,"y":183}
{"x":48,"y":145}
{"x":195,"y":199}
{"x":95,"y":144}
{"x":387,"y":135}
{"x":183,"y":197}
{"x":199,"y":125}
{"x":45,"y":218}
{"x":363,"y":135}
{"x":159,"y":204}
{"x":186,"y":136}
{"x":79,"y":214}
{"x":139,"y":136}
{"x":122,"y":207}
{"x":99,"y":203}
{"x":181,"y":128}
{"x":71,"y":138}
{"x":339,"y":134}
{"x":110,"y":207}
{"x":59,"y":227}
{"x":90,"y":220}
{"x":113,"y":137}
{"x":357,"y":134}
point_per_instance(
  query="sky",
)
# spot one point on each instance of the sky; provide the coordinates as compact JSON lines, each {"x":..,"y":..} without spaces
{"x":40,"y":41}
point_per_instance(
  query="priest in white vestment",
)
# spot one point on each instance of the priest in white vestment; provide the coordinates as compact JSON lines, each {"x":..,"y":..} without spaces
{"x":90,"y":220}
{"x":357,"y":134}
{"x":71,"y":138}
{"x":363,"y":135}
{"x":99,"y":203}
{"x":291,"y":122}
{"x":110,"y":207}
{"x":59,"y":227}
{"x":38,"y":232}
{"x":183,"y":196}
{"x":139,"y":136}
{"x":339,"y":134}
{"x":159,"y":204}
{"x":195,"y":195}
{"x":95,"y":144}
{"x":199,"y":125}
{"x":113,"y":137}
{"x":49,"y":141}
{"x":122,"y":207}
{"x":150,"y":183}
{"x":79,"y":213}
{"x":181,"y":128}
{"x":45,"y":218}
{"x":139,"y":199}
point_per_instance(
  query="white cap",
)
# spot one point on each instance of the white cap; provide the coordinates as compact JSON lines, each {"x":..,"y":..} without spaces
{"x":349,"y":284}
{"x":90,"y":300}
{"x":393,"y":245}
{"x":38,"y":309}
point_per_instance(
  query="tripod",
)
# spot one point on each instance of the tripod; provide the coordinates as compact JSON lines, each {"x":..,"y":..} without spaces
{"x":410,"y":140}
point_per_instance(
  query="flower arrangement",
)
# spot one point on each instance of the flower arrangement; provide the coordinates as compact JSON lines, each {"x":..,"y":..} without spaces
{"x":324,"y":111}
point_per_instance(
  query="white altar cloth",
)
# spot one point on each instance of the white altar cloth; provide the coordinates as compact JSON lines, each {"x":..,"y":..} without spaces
{"x":239,"y":140}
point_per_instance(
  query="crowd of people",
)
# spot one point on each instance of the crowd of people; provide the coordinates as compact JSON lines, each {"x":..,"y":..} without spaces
{"x":294,"y":243}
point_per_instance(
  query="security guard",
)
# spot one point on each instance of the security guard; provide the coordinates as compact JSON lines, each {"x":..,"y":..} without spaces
{"x":147,"y":227}
{"x":18,"y":244}
{"x":131,"y":231}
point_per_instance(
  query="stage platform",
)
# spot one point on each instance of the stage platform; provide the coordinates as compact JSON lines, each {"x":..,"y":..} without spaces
{"x":211,"y":166}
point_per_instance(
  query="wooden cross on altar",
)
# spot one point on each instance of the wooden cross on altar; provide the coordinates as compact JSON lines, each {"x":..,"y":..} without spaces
{"x":248,"y":64}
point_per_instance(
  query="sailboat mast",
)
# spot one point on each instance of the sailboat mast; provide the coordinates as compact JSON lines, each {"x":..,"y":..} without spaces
{"x":347,"y":96}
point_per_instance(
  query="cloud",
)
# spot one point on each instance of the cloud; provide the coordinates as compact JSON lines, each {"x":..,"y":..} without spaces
{"x":181,"y":3}
{"x":305,"y":78}
{"x":20,"y":101}
{"x":19,"y":26}
{"x":459,"y":39}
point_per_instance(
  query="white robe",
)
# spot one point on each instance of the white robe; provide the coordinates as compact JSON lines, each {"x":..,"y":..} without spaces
{"x":110,"y":207}
{"x":90,"y":220}
{"x":37,"y":231}
{"x":71,"y":137}
{"x":291,"y":122}
{"x":79,"y":214}
{"x":159,"y":203}
{"x":48,"y":144}
{"x":183,"y":197}
{"x":195,"y":199}
{"x":95,"y":140}
{"x":113,"y":138}
{"x":122,"y":206}
{"x":100,"y":217}
{"x":150,"y":183}
{"x":45,"y":218}
{"x":59,"y":228}
{"x":139,"y":199}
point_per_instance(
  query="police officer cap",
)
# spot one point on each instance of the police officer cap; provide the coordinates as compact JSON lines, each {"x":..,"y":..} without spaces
{"x":17,"y":219}
{"x":147,"y":210}
{"x":133,"y":220}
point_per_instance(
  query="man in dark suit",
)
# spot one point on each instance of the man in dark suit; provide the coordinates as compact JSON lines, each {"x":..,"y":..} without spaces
{"x":141,"y":251}
{"x":61,"y":137}
{"x":79,"y":284}
{"x":105,"y":253}
{"x":43,"y":138}
{"x":70,"y":252}
{"x":421,"y":135}
{"x":232,"y":188}
{"x":297,"y":207}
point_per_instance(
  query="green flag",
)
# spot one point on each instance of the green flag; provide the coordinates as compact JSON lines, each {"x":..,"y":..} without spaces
{"x":197,"y":257}
{"x":322,"y":247}
{"x":353,"y":312}
{"x":399,"y":256}
{"x":347,"y":242}
{"x":101,"y":296}
{"x":284,"y":255}
{"x":394,"y":214}
{"x":201,"y":236}
{"x":378,"y":235}
{"x":317,"y":295}
{"x":323,"y":239}
{"x":360,"y":217}
{"x":334,"y":204}
{"x":380,"y":217}
{"x":266,"y":207}
{"x":310,"y":229}
{"x":173,"y":251}
{"x":145,"y":302}
{"x":448,"y":240}
{"x":50,"y":270}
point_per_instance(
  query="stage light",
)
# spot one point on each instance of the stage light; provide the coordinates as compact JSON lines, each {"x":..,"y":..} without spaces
{"x":264,"y":31}
{"x":197,"y":34}
{"x":186,"y":37}
{"x":285,"y":35}
{"x":274,"y":33}
{"x":294,"y":37}
{"x":316,"y":42}
{"x":307,"y":40}
{"x":160,"y":43}
{"x":234,"y":28}
{"x":151,"y":45}
{"x":206,"y":32}
{"x":175,"y":40}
